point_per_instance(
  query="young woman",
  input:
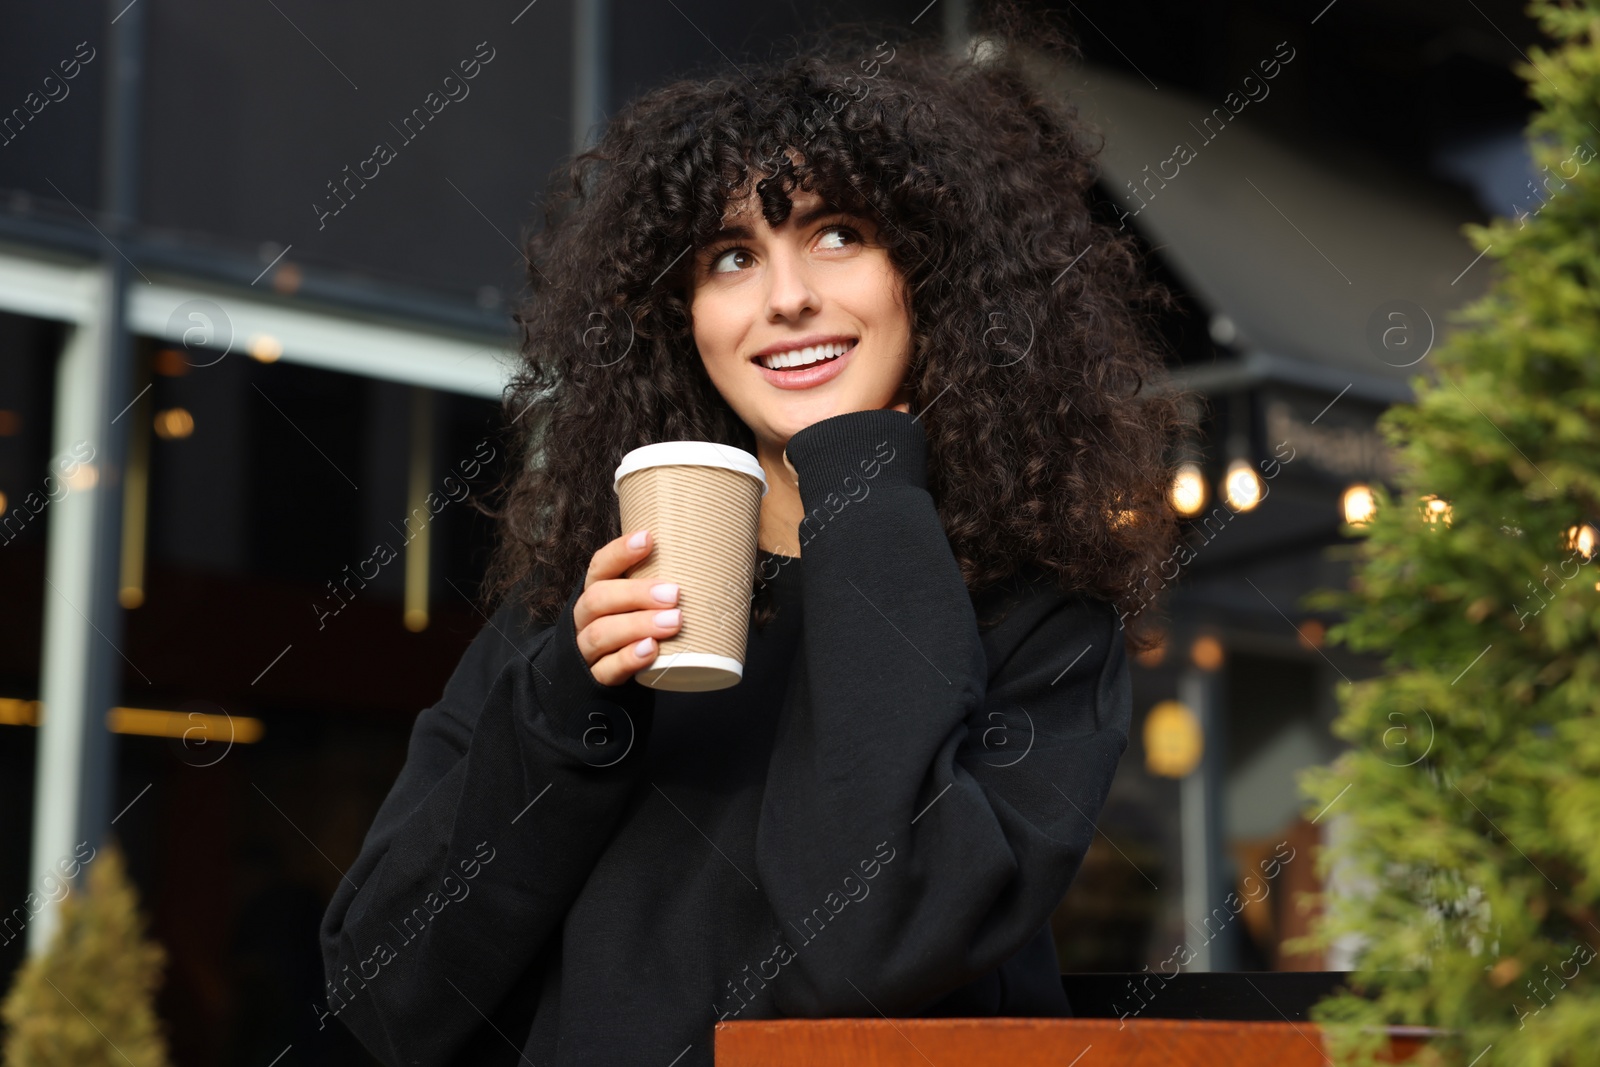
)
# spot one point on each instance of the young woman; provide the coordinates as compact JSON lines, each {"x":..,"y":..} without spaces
{"x":874,"y":267}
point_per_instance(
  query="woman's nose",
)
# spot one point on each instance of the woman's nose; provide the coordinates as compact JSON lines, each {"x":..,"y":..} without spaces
{"x":790,"y":291}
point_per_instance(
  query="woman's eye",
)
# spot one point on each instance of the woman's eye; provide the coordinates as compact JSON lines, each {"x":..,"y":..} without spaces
{"x":717,"y":264}
{"x":832,"y":231}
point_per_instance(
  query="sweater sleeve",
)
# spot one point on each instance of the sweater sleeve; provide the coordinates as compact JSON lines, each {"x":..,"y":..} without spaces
{"x":512,"y":785}
{"x":932,"y":791}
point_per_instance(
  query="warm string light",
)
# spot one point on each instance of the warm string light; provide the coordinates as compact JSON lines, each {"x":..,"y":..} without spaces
{"x":1359,"y":507}
{"x":1188,"y":493}
{"x":1206,"y":653}
{"x":171,"y":363}
{"x":1582,"y":539}
{"x":1241,"y":486}
{"x":264,"y":348}
{"x":83,"y":477}
{"x":1243,"y":490}
{"x":1435,"y":510}
{"x":1173,"y":740}
{"x":1312,"y":633}
{"x":174,"y":424}
{"x":1358,"y":504}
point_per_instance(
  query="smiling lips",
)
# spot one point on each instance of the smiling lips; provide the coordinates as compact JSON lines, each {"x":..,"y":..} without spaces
{"x":804,"y":368}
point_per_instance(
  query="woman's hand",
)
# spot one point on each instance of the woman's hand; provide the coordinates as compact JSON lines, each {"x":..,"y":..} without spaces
{"x":620,"y":620}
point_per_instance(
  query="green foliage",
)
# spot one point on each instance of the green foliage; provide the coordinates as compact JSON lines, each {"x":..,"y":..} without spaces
{"x":1471,"y":792}
{"x":88,"y":1001}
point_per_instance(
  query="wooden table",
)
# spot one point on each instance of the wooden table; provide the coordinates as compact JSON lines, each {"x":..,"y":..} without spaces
{"x":1027,"y":1043}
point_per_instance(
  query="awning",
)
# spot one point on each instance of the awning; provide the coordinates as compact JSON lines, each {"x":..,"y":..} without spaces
{"x":1301,"y":252}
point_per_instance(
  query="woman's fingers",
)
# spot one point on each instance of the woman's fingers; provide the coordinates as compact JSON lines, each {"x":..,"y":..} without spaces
{"x":617,"y":595}
{"x":621,"y":621}
{"x":617,"y":556}
{"x":610,"y":634}
{"x":625,"y":663}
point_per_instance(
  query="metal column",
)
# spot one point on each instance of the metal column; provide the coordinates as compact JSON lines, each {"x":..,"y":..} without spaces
{"x":1205,"y":915}
{"x":591,"y":69}
{"x":81,"y":668}
{"x":955,"y":17}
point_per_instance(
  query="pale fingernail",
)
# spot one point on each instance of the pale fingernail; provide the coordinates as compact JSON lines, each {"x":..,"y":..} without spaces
{"x":642,"y":649}
{"x":637,"y":540}
{"x":666,"y":592}
{"x":668,"y":618}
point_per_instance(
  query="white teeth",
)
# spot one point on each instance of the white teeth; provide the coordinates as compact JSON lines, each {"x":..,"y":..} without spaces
{"x":801,"y":356}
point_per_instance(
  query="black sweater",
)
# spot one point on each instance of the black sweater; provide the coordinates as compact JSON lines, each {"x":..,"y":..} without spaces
{"x":878,"y":820}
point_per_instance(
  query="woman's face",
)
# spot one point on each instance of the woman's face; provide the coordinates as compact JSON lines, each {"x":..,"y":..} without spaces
{"x":801,"y":322}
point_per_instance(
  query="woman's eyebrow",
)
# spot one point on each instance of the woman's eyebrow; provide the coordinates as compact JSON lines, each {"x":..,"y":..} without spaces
{"x":740,"y":232}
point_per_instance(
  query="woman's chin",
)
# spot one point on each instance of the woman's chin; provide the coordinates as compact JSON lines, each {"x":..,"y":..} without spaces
{"x":794,"y":417}
{"x":793,"y":422}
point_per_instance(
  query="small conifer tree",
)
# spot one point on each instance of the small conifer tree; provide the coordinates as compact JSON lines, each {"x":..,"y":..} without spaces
{"x":1469,"y":854}
{"x":89,"y":999}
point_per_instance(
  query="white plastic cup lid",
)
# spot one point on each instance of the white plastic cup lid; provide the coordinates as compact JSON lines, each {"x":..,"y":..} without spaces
{"x":691,"y":454}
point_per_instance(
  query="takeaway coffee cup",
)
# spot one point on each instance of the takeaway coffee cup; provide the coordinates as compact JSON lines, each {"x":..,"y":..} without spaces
{"x":701,"y":502}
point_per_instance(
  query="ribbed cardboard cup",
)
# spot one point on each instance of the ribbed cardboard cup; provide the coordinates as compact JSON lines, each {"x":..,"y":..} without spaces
{"x":701,"y":502}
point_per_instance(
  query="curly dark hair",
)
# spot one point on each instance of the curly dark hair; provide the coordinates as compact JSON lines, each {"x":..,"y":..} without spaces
{"x":1052,"y":450}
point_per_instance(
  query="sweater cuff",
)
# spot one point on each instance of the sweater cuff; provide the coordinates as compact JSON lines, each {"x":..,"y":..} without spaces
{"x":598,"y":724}
{"x":885,"y":447}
